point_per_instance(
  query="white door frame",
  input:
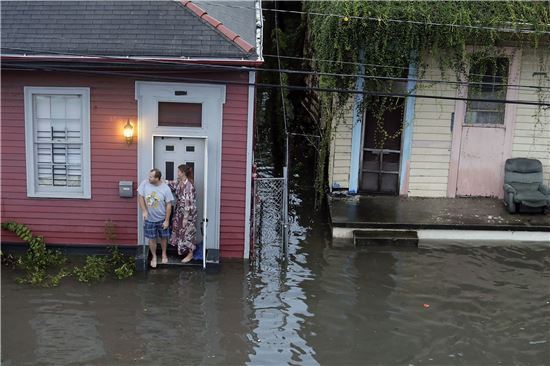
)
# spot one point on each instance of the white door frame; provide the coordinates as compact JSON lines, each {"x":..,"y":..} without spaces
{"x":212,"y":98}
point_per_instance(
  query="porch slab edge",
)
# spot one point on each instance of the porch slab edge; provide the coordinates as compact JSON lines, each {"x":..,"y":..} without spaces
{"x":437,"y":227}
{"x":467,"y":235}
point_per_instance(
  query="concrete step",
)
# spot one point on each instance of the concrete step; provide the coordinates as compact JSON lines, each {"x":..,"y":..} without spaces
{"x":175,"y":260}
{"x":385,"y":238}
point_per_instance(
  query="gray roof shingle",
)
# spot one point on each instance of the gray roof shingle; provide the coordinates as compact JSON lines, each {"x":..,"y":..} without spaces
{"x":112,"y":28}
{"x":239,"y":16}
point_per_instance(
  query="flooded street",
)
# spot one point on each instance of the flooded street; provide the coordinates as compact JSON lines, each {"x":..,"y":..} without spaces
{"x":445,"y":304}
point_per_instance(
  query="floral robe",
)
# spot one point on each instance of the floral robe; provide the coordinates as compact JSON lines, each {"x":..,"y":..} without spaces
{"x":184,"y":228}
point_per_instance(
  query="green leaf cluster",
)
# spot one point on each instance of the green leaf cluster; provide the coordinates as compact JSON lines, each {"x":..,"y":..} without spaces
{"x":46,"y":267}
{"x":38,"y":262}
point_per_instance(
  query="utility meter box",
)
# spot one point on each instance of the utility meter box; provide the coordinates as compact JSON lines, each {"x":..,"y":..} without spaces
{"x":126,"y":188}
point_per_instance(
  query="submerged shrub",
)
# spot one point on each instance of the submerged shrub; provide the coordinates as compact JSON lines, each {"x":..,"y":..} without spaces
{"x":46,"y":267}
{"x":38,"y":262}
{"x":97,"y":267}
{"x":94,"y":270}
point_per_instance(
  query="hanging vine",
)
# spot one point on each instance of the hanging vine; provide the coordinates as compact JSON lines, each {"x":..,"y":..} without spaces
{"x":393,"y":35}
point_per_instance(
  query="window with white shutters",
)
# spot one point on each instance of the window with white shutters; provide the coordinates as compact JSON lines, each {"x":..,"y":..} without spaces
{"x":57,"y":134}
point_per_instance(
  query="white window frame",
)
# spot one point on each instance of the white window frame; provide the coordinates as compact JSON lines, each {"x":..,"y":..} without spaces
{"x":50,"y":192}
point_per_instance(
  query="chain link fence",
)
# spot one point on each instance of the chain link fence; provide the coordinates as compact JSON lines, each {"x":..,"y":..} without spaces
{"x":270,"y":210}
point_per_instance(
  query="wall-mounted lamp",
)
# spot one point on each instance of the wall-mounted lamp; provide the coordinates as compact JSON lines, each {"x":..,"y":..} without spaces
{"x":129,"y":132}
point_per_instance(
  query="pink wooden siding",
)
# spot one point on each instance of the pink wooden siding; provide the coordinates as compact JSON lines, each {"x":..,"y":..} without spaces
{"x":70,"y":221}
{"x":233,"y":191}
{"x":112,"y":102}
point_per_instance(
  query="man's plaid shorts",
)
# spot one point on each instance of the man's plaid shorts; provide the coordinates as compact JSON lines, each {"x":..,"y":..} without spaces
{"x":154,"y":230}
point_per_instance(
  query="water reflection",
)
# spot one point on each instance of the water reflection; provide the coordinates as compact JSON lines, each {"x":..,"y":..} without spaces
{"x":278,"y":303}
{"x":442,"y":305}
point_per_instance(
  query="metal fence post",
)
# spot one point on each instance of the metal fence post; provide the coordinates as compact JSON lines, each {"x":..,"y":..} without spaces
{"x":285,"y":213}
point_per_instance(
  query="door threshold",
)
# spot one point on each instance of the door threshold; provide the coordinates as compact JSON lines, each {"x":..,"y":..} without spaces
{"x":174,"y":260}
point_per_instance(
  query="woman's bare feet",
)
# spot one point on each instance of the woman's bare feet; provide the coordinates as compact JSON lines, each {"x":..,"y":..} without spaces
{"x":188,"y":257}
{"x":164,"y":260}
{"x":154,"y":262}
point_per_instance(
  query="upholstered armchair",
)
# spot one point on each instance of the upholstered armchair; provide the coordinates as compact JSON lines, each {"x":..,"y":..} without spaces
{"x":523,"y":185}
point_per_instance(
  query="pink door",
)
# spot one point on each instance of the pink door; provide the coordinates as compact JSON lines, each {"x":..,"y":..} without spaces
{"x":481,"y":161}
{"x":482,"y":137}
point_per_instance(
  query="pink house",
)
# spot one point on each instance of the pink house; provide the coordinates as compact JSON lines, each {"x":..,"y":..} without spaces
{"x":95,"y":94}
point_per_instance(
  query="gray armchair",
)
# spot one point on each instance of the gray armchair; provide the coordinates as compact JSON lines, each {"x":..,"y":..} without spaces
{"x":523,"y":185}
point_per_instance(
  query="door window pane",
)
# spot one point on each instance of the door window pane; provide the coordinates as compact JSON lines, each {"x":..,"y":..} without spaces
{"x":487,"y":80}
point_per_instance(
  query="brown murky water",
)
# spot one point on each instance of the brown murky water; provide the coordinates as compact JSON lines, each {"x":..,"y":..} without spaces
{"x":442,"y":305}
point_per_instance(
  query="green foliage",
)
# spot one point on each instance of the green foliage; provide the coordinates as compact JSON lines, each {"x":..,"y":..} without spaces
{"x":393,"y":35}
{"x":8,"y":260}
{"x":94,"y":270}
{"x":97,"y":268}
{"x":122,"y":266}
{"x":45,"y":267}
{"x":125,"y":270}
{"x":38,"y":262}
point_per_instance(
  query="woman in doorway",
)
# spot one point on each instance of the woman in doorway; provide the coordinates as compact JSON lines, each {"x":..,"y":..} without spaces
{"x":185,"y":214}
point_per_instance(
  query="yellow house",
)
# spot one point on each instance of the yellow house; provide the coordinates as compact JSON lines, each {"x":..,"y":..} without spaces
{"x":447,"y":143}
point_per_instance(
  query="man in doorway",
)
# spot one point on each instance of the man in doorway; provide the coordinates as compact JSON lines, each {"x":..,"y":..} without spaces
{"x":155,"y":200}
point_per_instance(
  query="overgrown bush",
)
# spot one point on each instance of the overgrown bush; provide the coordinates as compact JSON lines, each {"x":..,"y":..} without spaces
{"x":46,"y":267}
{"x":94,"y":270}
{"x":98,"y":267}
{"x":38,"y":262}
{"x":122,"y":266}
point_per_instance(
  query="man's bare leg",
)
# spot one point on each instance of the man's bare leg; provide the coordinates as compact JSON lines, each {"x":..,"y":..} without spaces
{"x":153,"y":251}
{"x":163,"y":245}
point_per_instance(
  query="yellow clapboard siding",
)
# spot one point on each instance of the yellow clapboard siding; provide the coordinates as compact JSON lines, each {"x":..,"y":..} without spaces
{"x":419,"y":172}
{"x":430,"y":165}
{"x":427,"y":192}
{"x":430,"y":151}
{"x":431,"y":158}
{"x":340,"y":154}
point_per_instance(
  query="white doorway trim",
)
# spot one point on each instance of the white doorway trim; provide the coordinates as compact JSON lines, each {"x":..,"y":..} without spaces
{"x":212,"y":98}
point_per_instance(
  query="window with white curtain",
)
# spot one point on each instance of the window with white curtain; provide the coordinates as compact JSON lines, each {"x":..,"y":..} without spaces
{"x":57,"y":125}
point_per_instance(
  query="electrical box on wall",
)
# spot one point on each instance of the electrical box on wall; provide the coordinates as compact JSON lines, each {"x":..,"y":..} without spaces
{"x":126,"y":188}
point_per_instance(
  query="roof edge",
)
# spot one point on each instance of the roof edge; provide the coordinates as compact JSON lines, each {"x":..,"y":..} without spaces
{"x":129,"y":59}
{"x":219,"y":26}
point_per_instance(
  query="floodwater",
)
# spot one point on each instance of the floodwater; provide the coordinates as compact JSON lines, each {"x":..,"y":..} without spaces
{"x":444,"y":304}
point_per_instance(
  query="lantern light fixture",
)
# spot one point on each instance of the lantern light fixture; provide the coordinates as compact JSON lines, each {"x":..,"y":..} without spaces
{"x":129,"y":132}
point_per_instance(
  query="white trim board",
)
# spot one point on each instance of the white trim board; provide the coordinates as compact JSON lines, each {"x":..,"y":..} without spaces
{"x":249,"y":162}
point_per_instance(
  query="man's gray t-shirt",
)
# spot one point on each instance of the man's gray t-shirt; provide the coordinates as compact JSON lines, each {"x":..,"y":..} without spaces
{"x":155,"y":199}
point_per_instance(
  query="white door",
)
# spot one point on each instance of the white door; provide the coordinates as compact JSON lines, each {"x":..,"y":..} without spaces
{"x":169,"y":153}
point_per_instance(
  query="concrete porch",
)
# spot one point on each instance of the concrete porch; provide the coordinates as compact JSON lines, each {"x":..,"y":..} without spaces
{"x":435,"y":218}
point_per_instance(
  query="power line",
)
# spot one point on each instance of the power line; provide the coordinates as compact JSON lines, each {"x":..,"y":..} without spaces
{"x":189,"y":64}
{"x":353,"y":63}
{"x":276,"y":86}
{"x":337,"y":62}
